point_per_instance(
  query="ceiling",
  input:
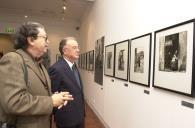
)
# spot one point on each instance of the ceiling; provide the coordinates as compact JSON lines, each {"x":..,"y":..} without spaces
{"x":48,"y":8}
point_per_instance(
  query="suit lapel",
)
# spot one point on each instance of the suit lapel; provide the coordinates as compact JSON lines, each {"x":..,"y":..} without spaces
{"x":47,"y":78}
{"x":70,"y":73}
{"x":31,"y":64}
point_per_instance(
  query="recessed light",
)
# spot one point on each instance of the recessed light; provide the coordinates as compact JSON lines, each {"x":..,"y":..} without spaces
{"x":64,"y":7}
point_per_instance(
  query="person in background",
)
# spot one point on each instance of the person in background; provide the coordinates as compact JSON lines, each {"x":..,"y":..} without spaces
{"x":26,"y":100}
{"x":65,"y":77}
{"x":174,"y":61}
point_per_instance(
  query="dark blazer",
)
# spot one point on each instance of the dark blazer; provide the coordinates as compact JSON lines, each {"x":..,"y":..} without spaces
{"x":31,"y":104}
{"x":63,"y":79}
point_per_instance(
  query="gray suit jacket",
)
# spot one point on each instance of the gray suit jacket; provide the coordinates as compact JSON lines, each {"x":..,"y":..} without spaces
{"x":29,"y":104}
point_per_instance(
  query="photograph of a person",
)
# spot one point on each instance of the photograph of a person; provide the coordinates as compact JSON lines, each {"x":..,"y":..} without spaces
{"x":87,"y":61}
{"x":91,"y":60}
{"x":58,"y":56}
{"x":173,"y":58}
{"x":84,"y":61}
{"x":109,"y":60}
{"x":121,"y":60}
{"x":140,"y":57}
{"x":99,"y":56}
{"x":139,"y":60}
{"x":79,"y":61}
{"x":173,"y":51}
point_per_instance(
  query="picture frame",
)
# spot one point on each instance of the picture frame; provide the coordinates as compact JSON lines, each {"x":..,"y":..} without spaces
{"x":99,"y":60}
{"x":46,"y":59}
{"x":109,"y":64}
{"x":91,"y":60}
{"x":173,"y":58}
{"x":58,"y":56}
{"x":79,"y":61}
{"x":122,"y":60}
{"x":84,"y":61}
{"x":140,"y":58}
{"x":87,"y":61}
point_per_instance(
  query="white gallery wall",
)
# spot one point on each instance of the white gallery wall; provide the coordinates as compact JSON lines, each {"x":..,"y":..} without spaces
{"x":119,"y":106}
{"x":56,"y":29}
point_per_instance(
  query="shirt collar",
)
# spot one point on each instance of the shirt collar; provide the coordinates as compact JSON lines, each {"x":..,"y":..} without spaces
{"x":69,"y":63}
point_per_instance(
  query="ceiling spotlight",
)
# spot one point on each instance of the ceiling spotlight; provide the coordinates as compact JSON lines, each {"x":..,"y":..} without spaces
{"x":25,"y":16}
{"x":64,"y":7}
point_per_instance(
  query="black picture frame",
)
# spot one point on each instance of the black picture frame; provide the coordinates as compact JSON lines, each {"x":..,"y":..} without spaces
{"x":58,"y":56}
{"x":122,"y":60}
{"x":87,"y":61}
{"x":109,"y":65}
{"x":99,"y":60}
{"x":91,"y":60}
{"x":79,"y":61}
{"x":82,"y":61}
{"x":174,"y":58}
{"x":140,"y":59}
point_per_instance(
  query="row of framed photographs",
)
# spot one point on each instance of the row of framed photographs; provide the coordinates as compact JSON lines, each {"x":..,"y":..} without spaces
{"x":173,"y":65}
{"x":86,"y":61}
{"x":118,"y":61}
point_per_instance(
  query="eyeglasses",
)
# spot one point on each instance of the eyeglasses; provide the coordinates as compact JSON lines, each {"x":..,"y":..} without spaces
{"x":45,"y":37}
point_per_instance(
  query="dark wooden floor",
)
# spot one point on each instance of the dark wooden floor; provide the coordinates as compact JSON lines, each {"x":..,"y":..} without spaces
{"x":91,"y":120}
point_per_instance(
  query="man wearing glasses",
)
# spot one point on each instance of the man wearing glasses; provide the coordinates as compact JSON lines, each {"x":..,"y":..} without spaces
{"x":26,"y":100}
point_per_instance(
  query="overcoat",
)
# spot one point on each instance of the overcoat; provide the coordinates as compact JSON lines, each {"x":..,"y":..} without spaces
{"x":30,"y":105}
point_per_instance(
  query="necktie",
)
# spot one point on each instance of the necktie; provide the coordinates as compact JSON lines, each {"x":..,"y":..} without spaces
{"x":75,"y":71}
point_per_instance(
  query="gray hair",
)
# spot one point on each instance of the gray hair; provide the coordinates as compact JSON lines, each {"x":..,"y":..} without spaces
{"x":63,"y":42}
{"x":28,"y":29}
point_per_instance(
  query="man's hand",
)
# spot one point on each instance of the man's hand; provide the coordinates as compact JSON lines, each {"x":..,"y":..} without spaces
{"x":61,"y":99}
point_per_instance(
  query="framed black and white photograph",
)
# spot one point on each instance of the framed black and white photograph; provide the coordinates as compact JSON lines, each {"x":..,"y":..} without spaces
{"x":79,"y":61}
{"x":81,"y":65}
{"x":109,"y":60}
{"x":47,"y":59}
{"x":58,"y":56}
{"x":140,"y":59}
{"x":87,"y":61}
{"x":173,"y":58}
{"x":91,"y":60}
{"x":99,"y":58}
{"x":83,"y":61}
{"x":121,"y":60}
